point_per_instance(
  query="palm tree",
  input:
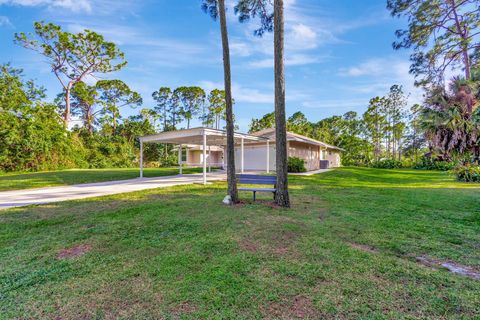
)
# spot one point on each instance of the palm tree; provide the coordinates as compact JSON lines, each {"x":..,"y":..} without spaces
{"x":216,"y":8}
{"x":451,"y":118}
{"x":247,"y":9}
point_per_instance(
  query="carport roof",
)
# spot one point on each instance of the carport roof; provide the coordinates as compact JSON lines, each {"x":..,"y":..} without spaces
{"x":291,"y":136}
{"x":194,"y":136}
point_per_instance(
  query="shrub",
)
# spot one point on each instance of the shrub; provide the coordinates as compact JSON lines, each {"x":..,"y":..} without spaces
{"x":468,"y":173}
{"x":387,"y":164}
{"x":432,"y":164}
{"x":296,"y":165}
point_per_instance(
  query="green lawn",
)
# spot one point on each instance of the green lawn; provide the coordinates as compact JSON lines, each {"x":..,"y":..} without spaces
{"x":17,"y":181}
{"x":346,"y":250}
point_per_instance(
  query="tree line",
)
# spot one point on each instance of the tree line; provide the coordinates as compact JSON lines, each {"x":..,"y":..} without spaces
{"x":188,"y":103}
{"x":84,"y":126}
{"x":386,"y":130}
{"x":33,"y":135}
{"x":444,"y":39}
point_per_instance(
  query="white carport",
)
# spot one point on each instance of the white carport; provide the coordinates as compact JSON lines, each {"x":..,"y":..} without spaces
{"x":204,"y":137}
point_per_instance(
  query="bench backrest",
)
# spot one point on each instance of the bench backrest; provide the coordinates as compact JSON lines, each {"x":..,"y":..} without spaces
{"x":256,"y":179}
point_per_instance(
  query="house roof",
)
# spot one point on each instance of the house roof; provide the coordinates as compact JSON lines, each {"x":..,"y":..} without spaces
{"x":195,"y":136}
{"x":291,"y":136}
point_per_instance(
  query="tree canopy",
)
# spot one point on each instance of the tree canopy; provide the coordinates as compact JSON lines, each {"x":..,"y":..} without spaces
{"x":72,"y":56}
{"x":442,"y":33}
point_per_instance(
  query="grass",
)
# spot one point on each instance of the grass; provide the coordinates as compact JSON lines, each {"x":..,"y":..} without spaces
{"x":17,"y":181}
{"x":346,"y":250}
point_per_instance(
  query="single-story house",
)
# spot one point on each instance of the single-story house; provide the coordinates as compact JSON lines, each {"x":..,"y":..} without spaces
{"x":310,"y":150}
{"x":205,"y":147}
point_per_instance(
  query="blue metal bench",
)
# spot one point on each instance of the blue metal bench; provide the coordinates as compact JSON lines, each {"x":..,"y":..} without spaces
{"x":260,"y":180}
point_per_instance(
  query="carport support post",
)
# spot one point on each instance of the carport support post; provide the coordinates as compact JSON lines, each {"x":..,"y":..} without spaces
{"x":204,"y":157}
{"x":180,"y":158}
{"x":141,"y":159}
{"x":242,"y":156}
{"x":268,"y":156}
{"x":209,"y":159}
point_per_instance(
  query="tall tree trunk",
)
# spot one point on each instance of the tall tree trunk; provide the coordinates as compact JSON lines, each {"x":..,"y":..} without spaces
{"x":415,"y":152}
{"x":231,"y":179}
{"x":90,"y":121}
{"x":66,"y":115}
{"x":282,"y":198}
{"x":164,"y":121}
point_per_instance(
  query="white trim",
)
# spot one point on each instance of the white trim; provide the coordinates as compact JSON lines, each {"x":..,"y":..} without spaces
{"x":242,"y":156}
{"x":209,"y":159}
{"x":204,"y":157}
{"x":180,"y":158}
{"x":268,"y":156}
{"x":141,"y":159}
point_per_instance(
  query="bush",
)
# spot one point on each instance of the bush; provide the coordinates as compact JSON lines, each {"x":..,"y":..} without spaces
{"x":432,"y":164}
{"x":387,"y":164}
{"x":296,"y":165}
{"x":468,"y":173}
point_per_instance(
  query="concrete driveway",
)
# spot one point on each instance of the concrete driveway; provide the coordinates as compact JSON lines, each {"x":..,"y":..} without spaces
{"x":20,"y":198}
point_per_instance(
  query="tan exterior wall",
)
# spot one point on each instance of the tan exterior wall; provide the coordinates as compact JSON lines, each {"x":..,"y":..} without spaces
{"x":194,"y":158}
{"x":333,"y":157}
{"x":309,"y":153}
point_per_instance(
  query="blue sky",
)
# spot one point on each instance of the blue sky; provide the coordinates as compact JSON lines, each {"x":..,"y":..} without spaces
{"x":338,"y":53}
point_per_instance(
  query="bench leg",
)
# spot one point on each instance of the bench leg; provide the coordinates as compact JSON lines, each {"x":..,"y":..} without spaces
{"x":254,"y":195}
{"x":274,"y":195}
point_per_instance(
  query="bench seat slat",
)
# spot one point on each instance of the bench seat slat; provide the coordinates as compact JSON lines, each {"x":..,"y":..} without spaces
{"x":258,"y":178}
{"x":249,"y":176}
{"x":258,"y":189}
{"x":255,"y":182}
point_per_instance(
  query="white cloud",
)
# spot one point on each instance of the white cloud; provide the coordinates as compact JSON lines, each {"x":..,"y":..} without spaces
{"x":378,"y":74}
{"x":265,"y":95}
{"x":336,"y":104}
{"x":240,"y":49}
{"x":369,"y":68}
{"x":307,"y":28}
{"x":240,"y":93}
{"x":302,"y":37}
{"x":151,"y":49}
{"x":72,"y":5}
{"x":291,"y":60}
{"x":5,"y":22}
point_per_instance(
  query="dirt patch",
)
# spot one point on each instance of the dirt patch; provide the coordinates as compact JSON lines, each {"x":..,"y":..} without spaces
{"x":452,"y":267}
{"x":285,"y":237}
{"x":135,"y":297}
{"x":299,"y":307}
{"x":322,"y":213}
{"x":183,"y":308}
{"x":363,"y":247}
{"x":282,"y":241}
{"x":267,"y":203}
{"x":74,"y":252}
{"x":247,"y":245}
{"x":280,"y":251}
